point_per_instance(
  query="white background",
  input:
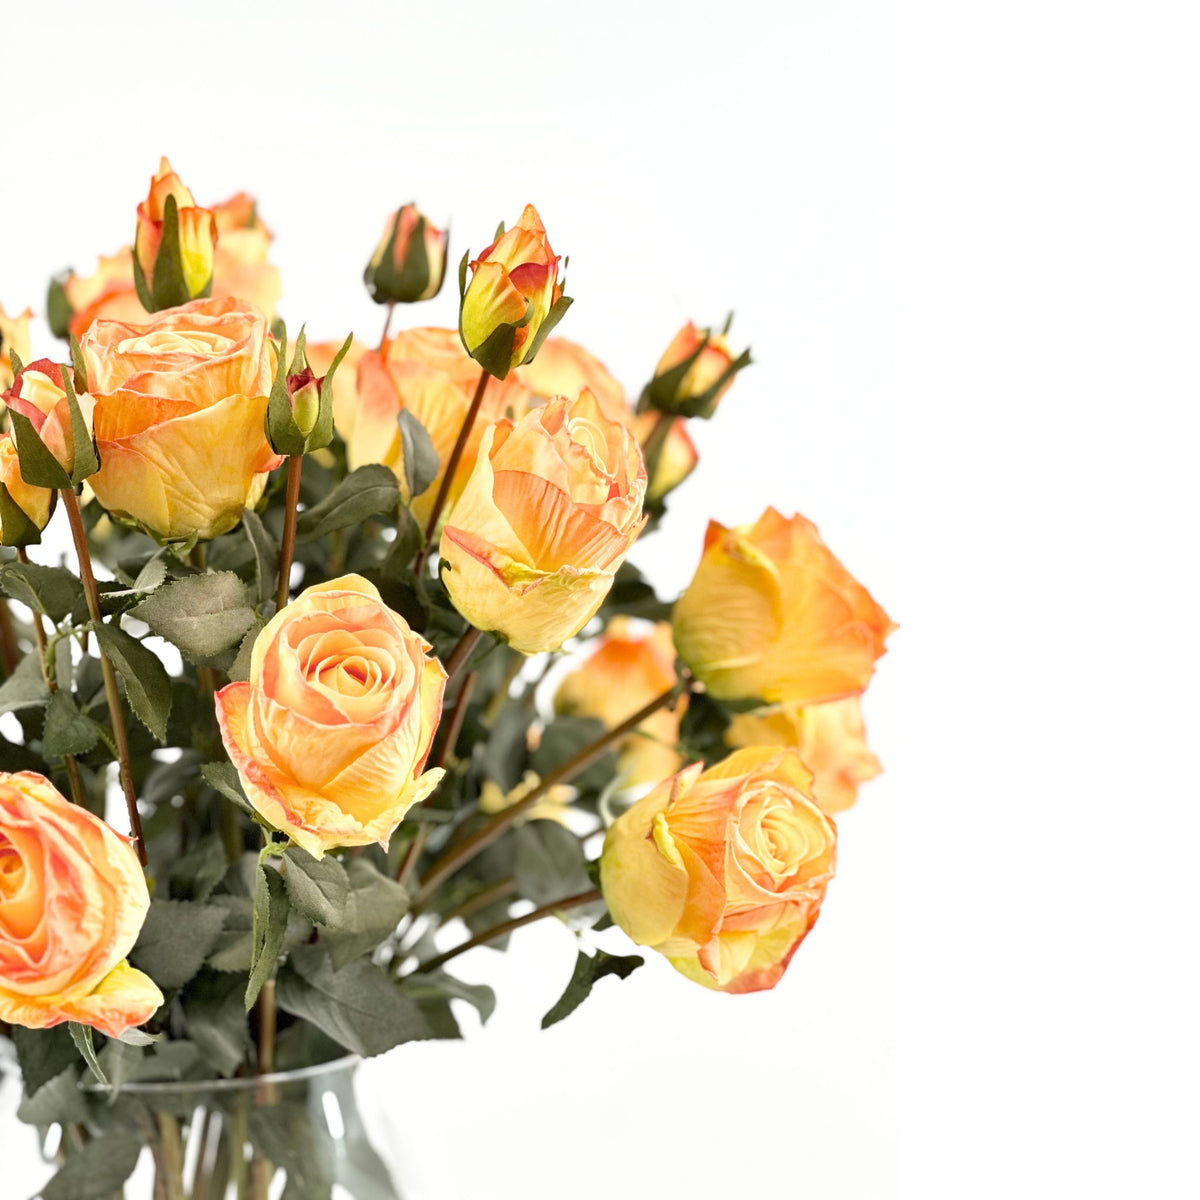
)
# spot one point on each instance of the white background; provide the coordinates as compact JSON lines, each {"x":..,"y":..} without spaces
{"x":963,"y":240}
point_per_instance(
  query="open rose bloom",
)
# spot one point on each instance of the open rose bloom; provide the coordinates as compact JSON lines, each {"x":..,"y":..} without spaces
{"x":723,"y":870}
{"x":72,"y":902}
{"x":547,"y":517}
{"x":331,"y":733}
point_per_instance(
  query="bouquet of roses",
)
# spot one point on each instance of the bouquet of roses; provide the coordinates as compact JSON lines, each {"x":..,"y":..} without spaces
{"x":306,"y":685}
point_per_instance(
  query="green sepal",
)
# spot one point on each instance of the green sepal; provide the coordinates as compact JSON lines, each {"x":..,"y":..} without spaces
{"x":87,"y":461}
{"x":81,"y":1035}
{"x":168,"y":288}
{"x":39,"y":467}
{"x":495,"y":353}
{"x":406,"y":285}
{"x":662,"y":392}
{"x":16,"y":529}
{"x":557,"y":311}
{"x":58,"y":308}
{"x":15,"y":363}
{"x":285,"y":436}
{"x":77,"y":363}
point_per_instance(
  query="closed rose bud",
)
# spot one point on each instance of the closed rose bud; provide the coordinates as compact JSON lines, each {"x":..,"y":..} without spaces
{"x":772,"y":614}
{"x":547,"y":517}
{"x":695,"y":371}
{"x":72,"y":902}
{"x":514,"y":298}
{"x":14,"y":335}
{"x":723,"y":871}
{"x":24,"y":509}
{"x":676,"y":460}
{"x":626,"y":670}
{"x":300,"y":409}
{"x":409,"y":264}
{"x":830,"y":739}
{"x":39,"y":394}
{"x":331,"y":733}
{"x":175,"y":244}
{"x":180,"y":407}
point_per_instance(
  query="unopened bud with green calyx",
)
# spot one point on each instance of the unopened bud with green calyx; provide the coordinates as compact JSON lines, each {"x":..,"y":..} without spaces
{"x":300,"y":407}
{"x":695,"y":371}
{"x":175,"y":243}
{"x":409,"y":264}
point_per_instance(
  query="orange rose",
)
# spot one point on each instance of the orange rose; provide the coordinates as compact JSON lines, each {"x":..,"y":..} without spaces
{"x":772,"y":614}
{"x":724,"y":870}
{"x":72,"y":902}
{"x":514,"y":298}
{"x":331,"y":733}
{"x":830,"y":739}
{"x":626,"y":670}
{"x":14,"y":335}
{"x":180,"y":406}
{"x":564,"y":368}
{"x":547,"y":517}
{"x":409,"y":264}
{"x":108,"y":293}
{"x":39,"y":394}
{"x":180,"y":269}
{"x":427,"y":372}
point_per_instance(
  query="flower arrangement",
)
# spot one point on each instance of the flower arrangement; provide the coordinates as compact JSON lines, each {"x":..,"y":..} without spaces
{"x":335,"y":575}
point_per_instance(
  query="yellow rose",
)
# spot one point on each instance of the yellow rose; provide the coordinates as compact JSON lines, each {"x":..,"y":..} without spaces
{"x":513,"y":297}
{"x":724,"y":870}
{"x":409,"y":264}
{"x":72,"y":902}
{"x":14,"y":335}
{"x":427,"y":372}
{"x":625,"y":671}
{"x":181,"y":269}
{"x":547,"y":517}
{"x":180,"y":406}
{"x":830,"y":739}
{"x":35,"y":503}
{"x":331,"y":733}
{"x":772,"y":614}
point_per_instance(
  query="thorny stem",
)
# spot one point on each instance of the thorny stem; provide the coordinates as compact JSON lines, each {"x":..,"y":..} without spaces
{"x":287,"y":546}
{"x":116,"y":712}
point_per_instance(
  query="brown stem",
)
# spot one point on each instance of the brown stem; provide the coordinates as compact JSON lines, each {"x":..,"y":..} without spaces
{"x":481,"y":900}
{"x":449,"y":741}
{"x":387,"y":324}
{"x":78,"y":794}
{"x":456,"y":454}
{"x":461,"y":652}
{"x":116,"y":713}
{"x":455,"y":857}
{"x":288,"y":546}
{"x":488,"y":935}
{"x":8,"y":640}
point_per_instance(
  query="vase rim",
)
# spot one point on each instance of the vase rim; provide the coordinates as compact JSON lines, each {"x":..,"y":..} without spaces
{"x":238,"y":1083}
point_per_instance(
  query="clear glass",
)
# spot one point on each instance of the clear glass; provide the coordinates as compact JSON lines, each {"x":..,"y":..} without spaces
{"x":295,"y":1134}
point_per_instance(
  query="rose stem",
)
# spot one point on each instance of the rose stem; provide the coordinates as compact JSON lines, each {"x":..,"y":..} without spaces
{"x":488,"y":935}
{"x":451,"y":467}
{"x":387,"y":324}
{"x":517,"y":660}
{"x":449,"y":740}
{"x":455,"y":857}
{"x":481,"y":900}
{"x":461,"y":652}
{"x":116,"y":713}
{"x":8,"y":640}
{"x":288,"y":546}
{"x":77,"y":792}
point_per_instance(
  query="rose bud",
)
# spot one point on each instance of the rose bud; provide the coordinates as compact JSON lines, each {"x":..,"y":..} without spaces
{"x":331,"y":733}
{"x":72,"y":902}
{"x":625,"y":671}
{"x":547,"y":517}
{"x":179,"y":418}
{"x":25,"y":510}
{"x":47,"y":415}
{"x":771,"y":614}
{"x":830,"y":739}
{"x":14,"y":336}
{"x":409,"y":264}
{"x":300,"y":410}
{"x":676,"y":460}
{"x":426,"y":372}
{"x":723,"y":871}
{"x":514,"y":298}
{"x":175,"y":243}
{"x":695,"y":371}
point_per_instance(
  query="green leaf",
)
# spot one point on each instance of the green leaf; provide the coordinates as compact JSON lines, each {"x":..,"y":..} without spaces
{"x":81,"y":1035}
{"x":53,"y":591}
{"x":39,"y":467}
{"x":420,"y":458}
{"x":270,"y":924}
{"x":58,"y":1099}
{"x":266,"y":555}
{"x":550,"y":863}
{"x":67,"y":730}
{"x":42,"y":1054}
{"x":194,"y":876}
{"x":374,"y":907}
{"x":216,"y":1019}
{"x":25,"y":687}
{"x":438,"y":983}
{"x":201,"y":614}
{"x":318,"y":888}
{"x":16,"y":529}
{"x":86,"y":461}
{"x":146,"y":681}
{"x":562,"y":739}
{"x":370,"y":491}
{"x":234,"y":948}
{"x":176,"y":938}
{"x":222,"y":777}
{"x":360,"y":1006}
{"x":96,"y":1170}
{"x":588,"y":970}
{"x":58,"y":307}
